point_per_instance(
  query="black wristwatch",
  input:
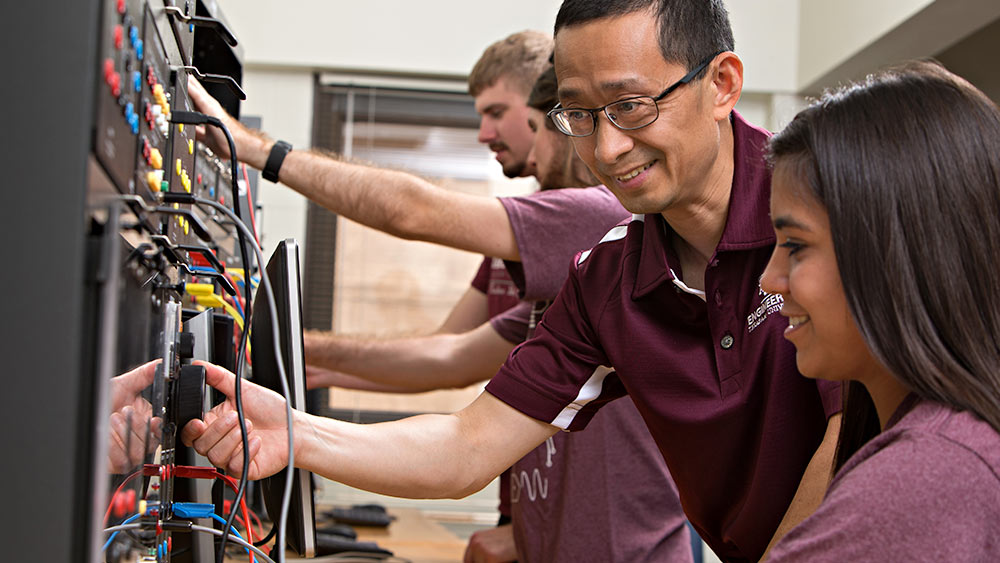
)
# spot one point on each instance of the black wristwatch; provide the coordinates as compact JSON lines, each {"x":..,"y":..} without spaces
{"x":274,"y":160}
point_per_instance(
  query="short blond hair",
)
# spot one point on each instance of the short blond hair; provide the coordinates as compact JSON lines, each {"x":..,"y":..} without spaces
{"x":521,"y":58}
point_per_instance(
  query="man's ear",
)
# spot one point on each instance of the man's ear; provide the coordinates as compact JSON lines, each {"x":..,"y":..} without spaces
{"x":727,"y":82}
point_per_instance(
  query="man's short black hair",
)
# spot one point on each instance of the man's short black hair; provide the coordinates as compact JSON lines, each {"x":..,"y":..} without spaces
{"x":543,"y":94}
{"x":690,"y":30}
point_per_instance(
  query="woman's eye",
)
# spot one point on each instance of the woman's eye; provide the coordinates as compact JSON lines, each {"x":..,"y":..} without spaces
{"x":792,"y":247}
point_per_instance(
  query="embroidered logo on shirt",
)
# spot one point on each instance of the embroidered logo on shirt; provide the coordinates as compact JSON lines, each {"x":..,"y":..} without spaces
{"x":771,"y":303}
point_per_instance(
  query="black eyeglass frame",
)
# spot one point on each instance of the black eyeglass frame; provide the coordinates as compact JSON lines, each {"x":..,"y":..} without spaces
{"x":551,"y":115}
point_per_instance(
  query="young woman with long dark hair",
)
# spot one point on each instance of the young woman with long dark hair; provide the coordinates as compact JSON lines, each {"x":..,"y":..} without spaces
{"x":886,"y":204}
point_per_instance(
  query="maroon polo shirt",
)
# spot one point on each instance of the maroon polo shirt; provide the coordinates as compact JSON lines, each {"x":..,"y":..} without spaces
{"x":713,"y":379}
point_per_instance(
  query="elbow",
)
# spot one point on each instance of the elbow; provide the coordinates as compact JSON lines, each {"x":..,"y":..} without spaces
{"x":464,"y":485}
{"x":410,"y":217}
{"x":458,"y":481}
{"x":407,"y":225}
{"x":472,"y":487}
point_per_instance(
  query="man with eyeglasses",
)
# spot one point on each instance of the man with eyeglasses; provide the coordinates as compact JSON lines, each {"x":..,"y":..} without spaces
{"x":551,"y":487}
{"x":667,"y":308}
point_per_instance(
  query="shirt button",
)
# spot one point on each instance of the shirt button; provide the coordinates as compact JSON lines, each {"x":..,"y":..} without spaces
{"x":726,"y":342}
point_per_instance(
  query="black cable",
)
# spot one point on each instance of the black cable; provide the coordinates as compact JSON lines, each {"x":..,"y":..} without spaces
{"x":265,"y":284}
{"x":196,"y":118}
{"x":267,"y":538}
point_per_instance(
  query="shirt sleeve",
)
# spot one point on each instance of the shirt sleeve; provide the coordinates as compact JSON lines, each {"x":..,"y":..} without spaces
{"x":561,"y":375}
{"x":482,"y":279}
{"x":550,"y":227}
{"x":924,"y":499}
{"x":512,"y":324}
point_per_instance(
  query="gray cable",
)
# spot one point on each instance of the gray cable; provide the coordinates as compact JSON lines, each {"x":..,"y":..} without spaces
{"x":197,"y":528}
{"x":286,"y":497}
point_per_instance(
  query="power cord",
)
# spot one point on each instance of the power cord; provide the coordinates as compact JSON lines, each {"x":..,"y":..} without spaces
{"x":265,"y":283}
{"x":196,"y":118}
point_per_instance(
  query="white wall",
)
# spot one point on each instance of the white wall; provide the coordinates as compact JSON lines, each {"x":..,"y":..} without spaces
{"x":393,"y":36}
{"x":446,"y":37}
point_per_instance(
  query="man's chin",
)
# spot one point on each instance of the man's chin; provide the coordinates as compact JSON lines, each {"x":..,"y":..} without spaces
{"x":515,"y":170}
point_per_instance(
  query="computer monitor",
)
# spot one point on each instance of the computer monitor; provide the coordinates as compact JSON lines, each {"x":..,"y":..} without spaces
{"x":283,"y":273}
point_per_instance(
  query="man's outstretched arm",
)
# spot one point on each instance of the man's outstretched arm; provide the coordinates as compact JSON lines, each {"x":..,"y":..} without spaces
{"x":395,"y":202}
{"x":426,"y":456}
{"x":471,"y":310}
{"x":407,"y":365}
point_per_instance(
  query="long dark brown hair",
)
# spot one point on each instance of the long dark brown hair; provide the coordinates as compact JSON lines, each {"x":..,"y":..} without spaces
{"x":907,"y":164}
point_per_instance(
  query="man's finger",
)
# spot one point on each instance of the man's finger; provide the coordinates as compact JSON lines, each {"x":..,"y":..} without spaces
{"x":219,"y":378}
{"x":192,"y":430}
{"x":216,"y":431}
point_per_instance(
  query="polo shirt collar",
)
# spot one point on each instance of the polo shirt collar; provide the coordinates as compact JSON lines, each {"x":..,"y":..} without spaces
{"x":747,"y":224}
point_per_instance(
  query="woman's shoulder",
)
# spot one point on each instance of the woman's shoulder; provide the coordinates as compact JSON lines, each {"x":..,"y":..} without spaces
{"x":927,"y":487}
{"x":934,"y":434}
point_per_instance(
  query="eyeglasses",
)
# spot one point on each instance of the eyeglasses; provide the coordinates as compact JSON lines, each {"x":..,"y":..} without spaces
{"x":627,"y":114}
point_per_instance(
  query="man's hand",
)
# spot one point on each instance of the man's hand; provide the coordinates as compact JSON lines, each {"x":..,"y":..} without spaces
{"x":252,"y":147}
{"x":134,"y":432}
{"x":218,"y":436}
{"x":495,"y":545}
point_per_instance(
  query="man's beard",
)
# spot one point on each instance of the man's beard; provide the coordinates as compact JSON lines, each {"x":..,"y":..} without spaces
{"x":514,"y":169}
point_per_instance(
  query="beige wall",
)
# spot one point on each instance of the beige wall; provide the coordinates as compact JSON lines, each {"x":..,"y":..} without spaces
{"x":830,"y":32}
{"x":283,"y":98}
{"x":841,"y":41}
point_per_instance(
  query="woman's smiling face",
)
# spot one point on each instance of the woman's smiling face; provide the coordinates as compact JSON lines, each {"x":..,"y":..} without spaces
{"x":803,"y":270}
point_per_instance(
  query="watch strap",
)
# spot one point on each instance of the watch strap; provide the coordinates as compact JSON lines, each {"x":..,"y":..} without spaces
{"x":274,"y":160}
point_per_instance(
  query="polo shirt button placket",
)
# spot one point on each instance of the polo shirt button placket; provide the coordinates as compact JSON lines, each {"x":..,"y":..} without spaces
{"x":727,"y":342}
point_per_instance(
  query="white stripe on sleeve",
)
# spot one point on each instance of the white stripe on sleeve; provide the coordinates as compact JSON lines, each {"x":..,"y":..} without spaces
{"x":590,"y":391}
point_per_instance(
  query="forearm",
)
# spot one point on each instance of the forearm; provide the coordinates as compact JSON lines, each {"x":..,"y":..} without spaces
{"x":413,"y":364}
{"x":320,"y":378}
{"x":427,"y":456}
{"x":401,"y":204}
{"x":394,"y":202}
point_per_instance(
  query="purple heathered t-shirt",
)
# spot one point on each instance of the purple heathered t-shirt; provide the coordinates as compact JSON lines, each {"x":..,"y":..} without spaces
{"x":513,"y":323}
{"x":493,"y":280}
{"x":604,"y":494}
{"x":550,"y":228}
{"x":714,"y":380}
{"x":600,"y":495}
{"x":925,"y":489}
